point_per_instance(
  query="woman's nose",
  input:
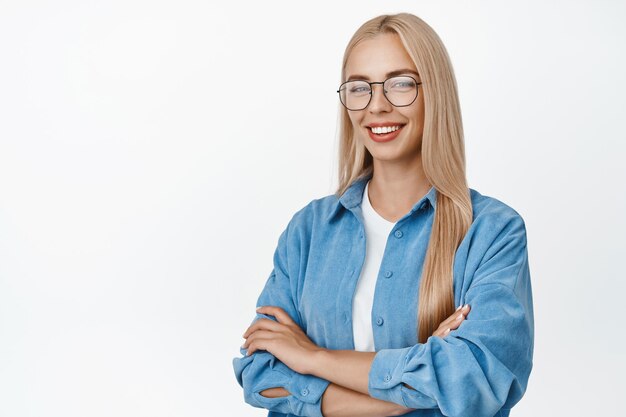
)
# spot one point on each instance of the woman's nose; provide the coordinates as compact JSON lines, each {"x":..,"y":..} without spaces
{"x":379,"y":102}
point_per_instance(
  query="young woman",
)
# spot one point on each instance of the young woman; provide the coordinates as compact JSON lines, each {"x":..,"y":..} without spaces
{"x":359,"y":316}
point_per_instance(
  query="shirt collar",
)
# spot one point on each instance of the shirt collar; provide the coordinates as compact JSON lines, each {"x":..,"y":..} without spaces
{"x":353,"y":196}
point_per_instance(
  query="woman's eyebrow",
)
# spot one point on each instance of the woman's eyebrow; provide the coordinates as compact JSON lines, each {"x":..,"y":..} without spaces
{"x":389,"y":74}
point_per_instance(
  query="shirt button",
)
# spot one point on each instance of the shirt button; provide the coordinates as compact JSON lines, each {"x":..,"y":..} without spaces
{"x":380,"y":321}
{"x":388,"y":274}
{"x":387,"y":378}
{"x":304,"y":392}
{"x":398,"y":234}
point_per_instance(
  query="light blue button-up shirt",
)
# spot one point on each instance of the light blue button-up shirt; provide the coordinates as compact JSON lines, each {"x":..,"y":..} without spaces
{"x":480,"y":369}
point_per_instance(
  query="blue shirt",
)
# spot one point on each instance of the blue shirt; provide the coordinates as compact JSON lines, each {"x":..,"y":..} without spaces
{"x":480,"y":369}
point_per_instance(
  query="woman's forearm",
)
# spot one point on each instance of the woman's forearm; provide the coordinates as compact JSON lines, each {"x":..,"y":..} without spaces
{"x":275,"y":392}
{"x":339,"y":401}
{"x":347,"y":368}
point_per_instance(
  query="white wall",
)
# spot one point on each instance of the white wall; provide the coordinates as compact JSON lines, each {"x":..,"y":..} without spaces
{"x":141,"y":196}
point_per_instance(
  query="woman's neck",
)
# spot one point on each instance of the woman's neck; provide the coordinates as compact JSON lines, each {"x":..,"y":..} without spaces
{"x":394,"y":189}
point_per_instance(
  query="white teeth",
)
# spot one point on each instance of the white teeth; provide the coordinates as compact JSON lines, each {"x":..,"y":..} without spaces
{"x":385,"y":129}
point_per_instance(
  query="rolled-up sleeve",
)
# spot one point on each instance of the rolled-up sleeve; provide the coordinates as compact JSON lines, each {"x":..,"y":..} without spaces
{"x":484,"y":365}
{"x":262,"y":370}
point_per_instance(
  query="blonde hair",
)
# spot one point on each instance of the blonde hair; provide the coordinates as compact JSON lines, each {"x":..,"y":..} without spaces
{"x":443,"y":158}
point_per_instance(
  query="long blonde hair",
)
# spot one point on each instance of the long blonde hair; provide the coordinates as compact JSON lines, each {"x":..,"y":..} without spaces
{"x":443,"y":158}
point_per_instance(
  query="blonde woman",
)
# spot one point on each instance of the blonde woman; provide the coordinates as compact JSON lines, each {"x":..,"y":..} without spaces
{"x":367,"y":309}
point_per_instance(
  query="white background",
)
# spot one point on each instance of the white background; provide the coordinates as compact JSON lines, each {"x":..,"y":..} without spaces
{"x":151,"y":153}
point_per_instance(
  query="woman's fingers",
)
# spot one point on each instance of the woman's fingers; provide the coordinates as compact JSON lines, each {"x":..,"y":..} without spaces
{"x":266,"y":324}
{"x":452,"y":322}
{"x":280,"y":314}
{"x":259,"y":340}
{"x":282,"y":318}
{"x":457,"y":317}
{"x":441,"y":331}
{"x":455,"y":320}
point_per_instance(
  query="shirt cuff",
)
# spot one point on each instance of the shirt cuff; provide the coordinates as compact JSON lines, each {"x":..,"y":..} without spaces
{"x":308,"y":391}
{"x":385,"y":375}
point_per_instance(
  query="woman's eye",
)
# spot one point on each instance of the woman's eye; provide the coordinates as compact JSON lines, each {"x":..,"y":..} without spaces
{"x":359,"y":89}
{"x":403,"y":84}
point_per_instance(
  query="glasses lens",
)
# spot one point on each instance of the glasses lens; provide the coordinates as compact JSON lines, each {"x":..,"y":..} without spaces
{"x":355,"y":95}
{"x":401,"y":91}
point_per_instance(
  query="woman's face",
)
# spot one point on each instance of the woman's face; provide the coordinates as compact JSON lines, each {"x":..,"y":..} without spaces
{"x":377,"y":59}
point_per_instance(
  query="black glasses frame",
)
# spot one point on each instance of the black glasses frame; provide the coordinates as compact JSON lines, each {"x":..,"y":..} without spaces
{"x":384,"y":91}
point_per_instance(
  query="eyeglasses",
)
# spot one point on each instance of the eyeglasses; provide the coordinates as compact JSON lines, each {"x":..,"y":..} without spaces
{"x":400,"y":91}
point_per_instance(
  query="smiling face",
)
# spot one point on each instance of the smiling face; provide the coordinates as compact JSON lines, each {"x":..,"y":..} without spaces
{"x":377,"y":59}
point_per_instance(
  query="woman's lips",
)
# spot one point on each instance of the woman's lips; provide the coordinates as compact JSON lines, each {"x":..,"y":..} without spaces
{"x":385,"y":137}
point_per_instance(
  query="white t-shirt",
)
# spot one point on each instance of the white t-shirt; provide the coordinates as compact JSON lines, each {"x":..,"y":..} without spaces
{"x":377,"y":230}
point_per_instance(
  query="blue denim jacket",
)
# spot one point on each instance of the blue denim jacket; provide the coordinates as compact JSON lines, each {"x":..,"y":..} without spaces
{"x":480,"y":369}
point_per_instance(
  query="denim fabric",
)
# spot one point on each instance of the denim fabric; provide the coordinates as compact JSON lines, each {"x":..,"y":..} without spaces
{"x":479,"y":370}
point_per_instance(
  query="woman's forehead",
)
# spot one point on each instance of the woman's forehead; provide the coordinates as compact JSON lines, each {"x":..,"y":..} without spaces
{"x":378,"y":57}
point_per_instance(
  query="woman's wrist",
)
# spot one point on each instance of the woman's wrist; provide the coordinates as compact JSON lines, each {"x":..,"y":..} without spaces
{"x":315,"y":361}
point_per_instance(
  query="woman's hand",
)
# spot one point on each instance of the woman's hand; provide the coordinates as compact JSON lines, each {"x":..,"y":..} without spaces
{"x":283,"y":339}
{"x":452,"y":322}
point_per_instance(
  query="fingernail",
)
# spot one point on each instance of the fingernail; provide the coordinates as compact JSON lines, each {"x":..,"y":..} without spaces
{"x":458,"y":308}
{"x":446,"y":332}
{"x":465,"y":306}
{"x":258,"y":308}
